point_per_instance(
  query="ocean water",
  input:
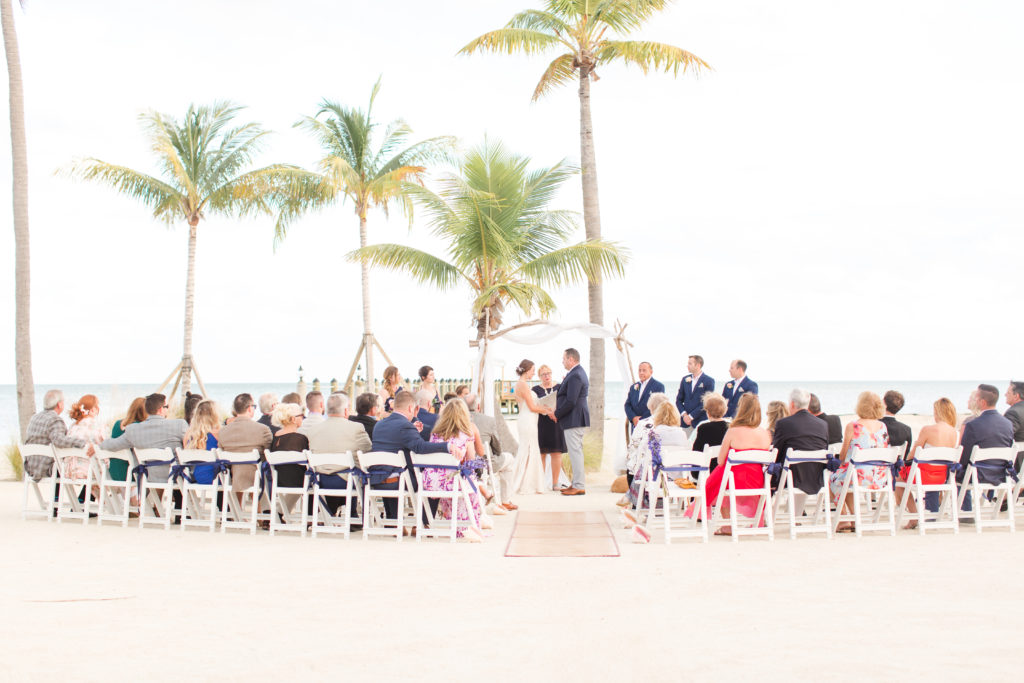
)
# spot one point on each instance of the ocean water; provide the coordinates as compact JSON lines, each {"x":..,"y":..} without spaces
{"x":837,"y":397}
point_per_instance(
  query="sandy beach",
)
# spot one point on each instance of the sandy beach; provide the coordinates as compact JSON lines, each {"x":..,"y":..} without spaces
{"x":92,"y":603}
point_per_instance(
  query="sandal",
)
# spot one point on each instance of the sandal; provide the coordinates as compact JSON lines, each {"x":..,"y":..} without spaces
{"x":510,"y":506}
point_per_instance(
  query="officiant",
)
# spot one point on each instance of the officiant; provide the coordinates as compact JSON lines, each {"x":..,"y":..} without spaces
{"x":639,"y":392}
{"x":549,"y":433}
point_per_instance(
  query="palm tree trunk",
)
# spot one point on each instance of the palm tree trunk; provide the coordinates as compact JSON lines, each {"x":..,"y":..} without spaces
{"x":190,"y":299}
{"x":22,"y":280}
{"x":595,"y":292}
{"x":365,"y":282}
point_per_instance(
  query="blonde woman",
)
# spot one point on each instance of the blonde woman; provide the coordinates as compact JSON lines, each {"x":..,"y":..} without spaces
{"x":867,"y":431}
{"x":202,"y":435}
{"x":776,"y":411}
{"x":665,"y":431}
{"x":550,"y":437}
{"x":942,"y":434}
{"x":455,"y":428}
{"x":391,"y":385}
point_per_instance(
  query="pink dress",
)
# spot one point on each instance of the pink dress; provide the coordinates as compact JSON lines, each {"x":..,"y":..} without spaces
{"x":87,"y":430}
{"x":443,"y":480}
{"x":868,"y":477}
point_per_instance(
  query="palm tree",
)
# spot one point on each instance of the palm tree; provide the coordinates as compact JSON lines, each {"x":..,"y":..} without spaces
{"x":371,"y":178}
{"x":502,"y":240}
{"x":585,"y":30}
{"x":201,"y":161}
{"x":22,"y":279}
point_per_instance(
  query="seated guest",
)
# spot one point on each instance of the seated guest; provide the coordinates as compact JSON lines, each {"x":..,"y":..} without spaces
{"x":191,"y":401}
{"x":776,"y":411}
{"x":745,"y":434}
{"x":396,"y":434}
{"x":638,"y":440}
{"x":455,"y":429}
{"x":390,"y":387}
{"x":801,"y":431}
{"x":988,"y":430}
{"x":461,"y":391}
{"x":288,"y":418}
{"x":867,"y":431}
{"x":314,"y":409}
{"x":740,"y":384}
{"x":47,"y":428}
{"x":502,"y":444}
{"x":1015,"y":413}
{"x":636,"y":399}
{"x":292,"y":397}
{"x":712,"y":431}
{"x":899,"y":433}
{"x":449,"y":396}
{"x":942,"y":434}
{"x":428,"y":383}
{"x":367,"y":410}
{"x":267,"y":404}
{"x":117,"y":468}
{"x":665,"y":431}
{"x":156,"y":431}
{"x":201,"y":435}
{"x":85,"y":414}
{"x":835,"y":425}
{"x":424,"y":399}
{"x":244,"y":434}
{"x":341,"y":433}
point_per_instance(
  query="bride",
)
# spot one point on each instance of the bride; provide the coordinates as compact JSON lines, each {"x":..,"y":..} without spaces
{"x":529,"y":474}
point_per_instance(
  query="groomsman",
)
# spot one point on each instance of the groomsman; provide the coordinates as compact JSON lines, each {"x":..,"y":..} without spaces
{"x":740,"y":384}
{"x":690,"y":399}
{"x":639,"y":392}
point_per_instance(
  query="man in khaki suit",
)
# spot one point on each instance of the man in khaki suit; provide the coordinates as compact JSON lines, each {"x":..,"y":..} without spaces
{"x":241,"y":435}
{"x":337,"y":434}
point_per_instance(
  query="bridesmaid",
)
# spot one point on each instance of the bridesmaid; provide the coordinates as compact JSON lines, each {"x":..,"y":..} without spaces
{"x":428,"y":383}
{"x":550,"y":436}
{"x":391,"y":385}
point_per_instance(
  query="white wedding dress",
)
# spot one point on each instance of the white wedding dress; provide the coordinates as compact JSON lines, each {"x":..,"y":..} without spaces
{"x":529,"y":473}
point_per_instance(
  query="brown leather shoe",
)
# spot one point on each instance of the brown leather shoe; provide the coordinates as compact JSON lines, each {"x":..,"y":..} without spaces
{"x":574,"y":492}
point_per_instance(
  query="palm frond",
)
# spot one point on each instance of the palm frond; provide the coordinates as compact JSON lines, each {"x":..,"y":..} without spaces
{"x":623,"y":16}
{"x":559,"y":72}
{"x":589,"y":261}
{"x":167,"y":202}
{"x":650,"y":56}
{"x":421,"y":266}
{"x":525,"y":295}
{"x":511,"y":40}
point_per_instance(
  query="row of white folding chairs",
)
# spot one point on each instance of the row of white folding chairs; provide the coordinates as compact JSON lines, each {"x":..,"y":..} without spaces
{"x":241,"y":509}
{"x":873,"y":508}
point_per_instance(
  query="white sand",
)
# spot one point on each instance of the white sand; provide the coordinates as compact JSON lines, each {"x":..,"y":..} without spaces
{"x":260,"y":608}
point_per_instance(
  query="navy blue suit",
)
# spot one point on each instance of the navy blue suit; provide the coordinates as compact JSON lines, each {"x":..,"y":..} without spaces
{"x":636,"y":403}
{"x":734,"y":389}
{"x":988,"y":430}
{"x":571,"y":400}
{"x":429,"y":420}
{"x":690,"y":399}
{"x":395,"y":434}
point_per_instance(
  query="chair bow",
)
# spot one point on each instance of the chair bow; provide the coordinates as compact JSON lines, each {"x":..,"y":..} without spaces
{"x":772,"y":468}
{"x":996,"y":466}
{"x":893,"y":466}
{"x":466,"y":468}
{"x":143,"y":468}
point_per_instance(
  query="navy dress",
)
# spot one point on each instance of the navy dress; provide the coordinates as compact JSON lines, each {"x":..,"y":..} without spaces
{"x":550,"y":436}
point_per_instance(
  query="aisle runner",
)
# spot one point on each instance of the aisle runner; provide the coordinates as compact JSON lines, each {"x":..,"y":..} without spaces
{"x":561,"y":534}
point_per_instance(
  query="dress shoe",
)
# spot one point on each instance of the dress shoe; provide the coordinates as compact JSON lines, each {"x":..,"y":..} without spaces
{"x":574,"y":492}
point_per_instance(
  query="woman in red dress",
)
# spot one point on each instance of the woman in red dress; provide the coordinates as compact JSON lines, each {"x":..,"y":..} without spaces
{"x":941,"y":434}
{"x":745,"y":434}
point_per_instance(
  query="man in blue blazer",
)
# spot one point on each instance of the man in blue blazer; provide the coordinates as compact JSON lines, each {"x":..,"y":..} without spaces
{"x":740,"y":384}
{"x":396,"y":434}
{"x":423,"y":414}
{"x":639,"y":392}
{"x":690,"y":399}
{"x":988,"y":430}
{"x":573,"y":415}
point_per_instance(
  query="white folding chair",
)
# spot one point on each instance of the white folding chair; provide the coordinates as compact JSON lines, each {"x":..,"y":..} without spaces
{"x":115,"y":494}
{"x":490,"y":478}
{"x":877,"y":500}
{"x":459,"y":492}
{"x":331,"y":464}
{"x":241,"y":508}
{"x":761,"y":522}
{"x":947,"y":515}
{"x":995,"y":464}
{"x":375,"y":522}
{"x":283,"y":516}
{"x":154,"y":485}
{"x":1019,"y":465}
{"x":69,"y":486}
{"x":693,"y":465}
{"x":43,"y":493}
{"x":198,"y":501}
{"x":790,"y":505}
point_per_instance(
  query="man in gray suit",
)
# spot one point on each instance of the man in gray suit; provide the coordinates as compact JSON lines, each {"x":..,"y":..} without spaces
{"x":1015,"y":399}
{"x":503,"y":446}
{"x":156,"y":431}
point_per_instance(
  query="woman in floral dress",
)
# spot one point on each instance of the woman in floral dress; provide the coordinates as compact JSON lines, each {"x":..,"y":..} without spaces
{"x":455,"y":427}
{"x":868,"y":431}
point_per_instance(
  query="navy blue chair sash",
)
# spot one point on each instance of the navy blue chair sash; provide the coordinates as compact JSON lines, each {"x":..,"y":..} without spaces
{"x":143,"y":468}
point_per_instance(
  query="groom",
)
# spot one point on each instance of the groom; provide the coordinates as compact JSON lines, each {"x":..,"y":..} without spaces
{"x":573,"y":416}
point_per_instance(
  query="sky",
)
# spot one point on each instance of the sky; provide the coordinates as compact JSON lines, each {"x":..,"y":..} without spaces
{"x":839,"y":198}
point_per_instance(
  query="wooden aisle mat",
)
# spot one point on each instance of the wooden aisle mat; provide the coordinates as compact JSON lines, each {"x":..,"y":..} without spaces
{"x":562,"y":534}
